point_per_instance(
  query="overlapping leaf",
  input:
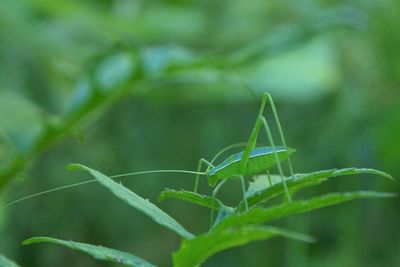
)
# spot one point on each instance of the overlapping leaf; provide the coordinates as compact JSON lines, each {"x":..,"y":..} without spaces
{"x":98,"y":252}
{"x":261,"y":215}
{"x":136,"y":201}
{"x":196,"y":251}
{"x":261,"y":191}
{"x":202,"y":200}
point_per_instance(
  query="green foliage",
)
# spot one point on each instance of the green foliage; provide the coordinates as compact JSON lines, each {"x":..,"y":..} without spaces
{"x":202,"y":200}
{"x":261,"y":191}
{"x":260,"y":215}
{"x":117,"y":70}
{"x":136,"y":201}
{"x":64,"y":63}
{"x":196,"y":251}
{"x":4,"y":262}
{"x":98,"y":252}
{"x":231,"y":228}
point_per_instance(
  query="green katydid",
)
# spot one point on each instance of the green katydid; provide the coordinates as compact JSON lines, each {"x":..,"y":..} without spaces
{"x":252,"y":160}
{"x":248,"y":162}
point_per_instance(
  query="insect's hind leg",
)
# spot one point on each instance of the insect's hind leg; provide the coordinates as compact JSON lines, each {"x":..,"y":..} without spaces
{"x":278,"y":162}
{"x":281,"y":135}
{"x":260,"y":121}
{"x":251,"y":143}
{"x":201,"y":162}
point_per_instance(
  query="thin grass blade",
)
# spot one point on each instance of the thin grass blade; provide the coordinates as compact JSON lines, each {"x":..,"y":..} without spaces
{"x":194,"y":252}
{"x":136,"y":201}
{"x":98,"y":252}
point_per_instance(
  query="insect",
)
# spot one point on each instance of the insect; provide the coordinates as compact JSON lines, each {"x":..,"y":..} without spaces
{"x":251,"y":161}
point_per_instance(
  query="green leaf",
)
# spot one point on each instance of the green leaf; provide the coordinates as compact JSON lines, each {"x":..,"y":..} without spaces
{"x":260,"y":191}
{"x":261,"y":215}
{"x":202,"y":200}
{"x":196,"y":251}
{"x":136,"y":201}
{"x":4,"y":262}
{"x":262,"y":182}
{"x":114,"y":70}
{"x":24,"y":126}
{"x":98,"y":252}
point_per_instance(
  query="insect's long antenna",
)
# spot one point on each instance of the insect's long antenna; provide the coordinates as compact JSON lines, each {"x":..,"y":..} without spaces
{"x":278,"y":123}
{"x":156,"y":171}
{"x":94,"y":180}
{"x":48,"y":191}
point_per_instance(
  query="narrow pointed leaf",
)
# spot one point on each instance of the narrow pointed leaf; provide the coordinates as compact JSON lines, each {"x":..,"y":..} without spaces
{"x":196,"y":251}
{"x":98,"y":252}
{"x":202,"y":200}
{"x":136,"y":201}
{"x":261,"y":191}
{"x":4,"y":262}
{"x":261,"y":215}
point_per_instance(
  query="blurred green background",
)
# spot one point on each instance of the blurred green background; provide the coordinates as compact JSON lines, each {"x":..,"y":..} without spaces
{"x":128,"y":85}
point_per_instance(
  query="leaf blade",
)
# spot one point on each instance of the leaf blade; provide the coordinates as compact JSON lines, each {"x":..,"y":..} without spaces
{"x":305,"y":180}
{"x":5,"y":262}
{"x":98,"y":252}
{"x":196,"y":251}
{"x":136,"y":201}
{"x":202,"y":200}
{"x":261,"y":215}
